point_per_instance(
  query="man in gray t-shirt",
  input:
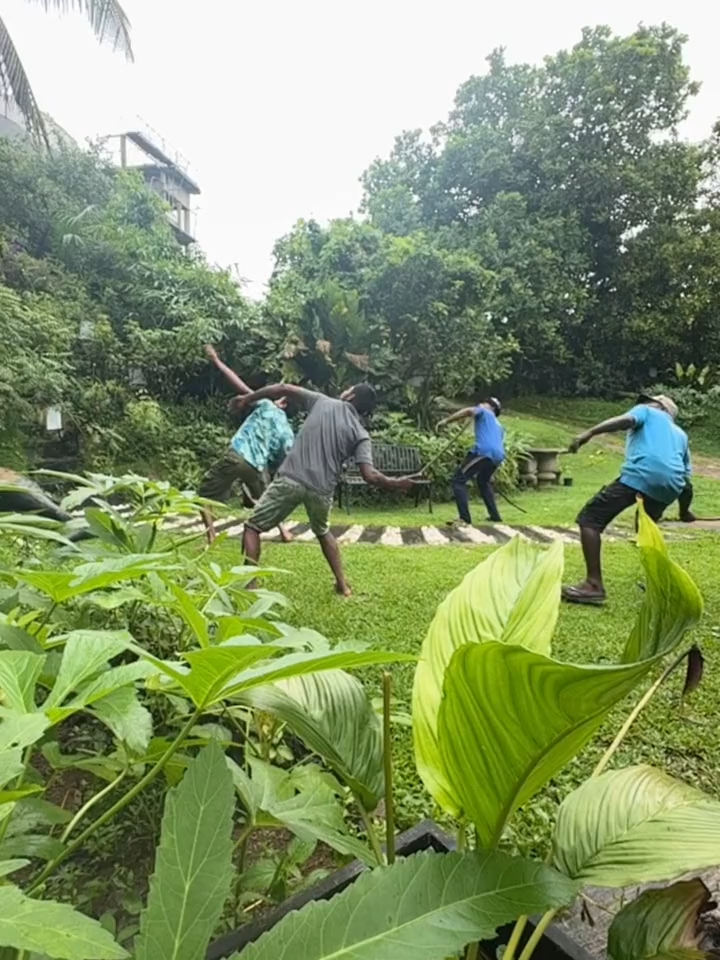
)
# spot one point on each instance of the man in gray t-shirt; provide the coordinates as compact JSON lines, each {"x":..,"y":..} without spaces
{"x":331,"y":434}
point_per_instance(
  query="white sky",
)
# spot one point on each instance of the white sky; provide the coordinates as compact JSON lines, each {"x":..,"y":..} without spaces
{"x":279,"y":105}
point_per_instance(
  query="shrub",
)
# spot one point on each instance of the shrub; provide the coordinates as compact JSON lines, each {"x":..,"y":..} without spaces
{"x":397,"y":428}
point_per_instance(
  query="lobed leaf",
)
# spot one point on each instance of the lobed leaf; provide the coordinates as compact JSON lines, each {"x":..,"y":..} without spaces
{"x":424,"y":907}
{"x":194,"y":863}
{"x":53,"y":929}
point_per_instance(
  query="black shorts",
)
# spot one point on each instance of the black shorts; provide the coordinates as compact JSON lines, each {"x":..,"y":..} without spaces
{"x":610,"y":502}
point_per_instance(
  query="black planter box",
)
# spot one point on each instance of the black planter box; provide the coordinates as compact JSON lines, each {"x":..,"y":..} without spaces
{"x":555,"y":944}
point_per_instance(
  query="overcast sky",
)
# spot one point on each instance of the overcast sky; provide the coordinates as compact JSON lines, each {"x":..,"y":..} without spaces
{"x":279,"y":105}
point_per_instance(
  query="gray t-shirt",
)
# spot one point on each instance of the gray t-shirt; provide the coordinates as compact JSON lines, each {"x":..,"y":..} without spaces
{"x":331,"y":434}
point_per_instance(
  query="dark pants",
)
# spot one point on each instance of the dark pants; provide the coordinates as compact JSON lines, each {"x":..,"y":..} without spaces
{"x":481,"y":470}
{"x":609,"y":502}
{"x":685,"y":499}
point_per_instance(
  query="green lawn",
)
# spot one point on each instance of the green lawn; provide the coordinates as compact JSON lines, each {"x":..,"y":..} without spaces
{"x":397,"y":591}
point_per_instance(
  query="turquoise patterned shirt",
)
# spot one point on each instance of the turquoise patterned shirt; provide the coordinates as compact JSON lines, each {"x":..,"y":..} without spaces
{"x":265,"y":437}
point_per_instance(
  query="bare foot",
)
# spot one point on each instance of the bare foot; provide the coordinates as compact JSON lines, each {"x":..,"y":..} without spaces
{"x":343,"y":589}
{"x":285,"y":535}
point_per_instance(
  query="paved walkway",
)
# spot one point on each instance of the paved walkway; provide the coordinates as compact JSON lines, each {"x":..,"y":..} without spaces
{"x":491,"y":535}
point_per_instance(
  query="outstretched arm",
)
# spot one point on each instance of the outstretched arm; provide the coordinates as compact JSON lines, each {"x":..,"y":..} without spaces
{"x":275,"y":391}
{"x":233,"y":379}
{"x":613,"y":425}
{"x":463,"y":414}
{"x":374,"y":478}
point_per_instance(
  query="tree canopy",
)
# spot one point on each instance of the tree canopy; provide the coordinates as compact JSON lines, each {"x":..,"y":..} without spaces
{"x":553,"y":234}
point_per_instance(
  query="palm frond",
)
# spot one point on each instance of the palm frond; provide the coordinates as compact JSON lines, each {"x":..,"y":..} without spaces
{"x":14,"y":84}
{"x":109,"y":22}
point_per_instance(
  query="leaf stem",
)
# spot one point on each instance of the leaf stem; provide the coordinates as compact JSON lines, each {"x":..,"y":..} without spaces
{"x":91,"y":803}
{"x":241,"y":848}
{"x":371,"y":833}
{"x":388,"y":765}
{"x":43,"y":623}
{"x":461,"y":838}
{"x":635,"y":713}
{"x":116,"y":807}
{"x":514,"y":941}
{"x":537,"y":934}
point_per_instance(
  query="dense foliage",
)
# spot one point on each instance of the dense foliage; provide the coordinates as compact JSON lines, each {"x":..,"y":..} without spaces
{"x":554,"y":234}
{"x":105,"y":315}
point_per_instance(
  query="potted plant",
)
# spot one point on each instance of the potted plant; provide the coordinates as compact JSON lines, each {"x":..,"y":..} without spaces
{"x":495,"y":717}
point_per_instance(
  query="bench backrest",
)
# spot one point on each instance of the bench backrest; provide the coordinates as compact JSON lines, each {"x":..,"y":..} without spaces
{"x":391,"y":459}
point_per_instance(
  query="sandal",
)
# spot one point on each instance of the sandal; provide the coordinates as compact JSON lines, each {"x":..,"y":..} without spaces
{"x":583,"y":595}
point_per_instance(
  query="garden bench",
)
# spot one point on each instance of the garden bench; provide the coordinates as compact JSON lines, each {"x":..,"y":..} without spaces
{"x":394,"y":460}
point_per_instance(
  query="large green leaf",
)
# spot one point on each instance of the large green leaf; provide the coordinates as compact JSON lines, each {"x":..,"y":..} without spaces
{"x":196,"y":621}
{"x":513,"y":597}
{"x":635,"y":825}
{"x":332,"y":714}
{"x":19,"y":673}
{"x":672,"y":603}
{"x":53,"y":929}
{"x":63,"y":585}
{"x":511,"y":719}
{"x":101,"y":686}
{"x":212,"y":668}
{"x":86,"y":653}
{"x":194,"y":863}
{"x":661,"y":924}
{"x":126,"y":717}
{"x":425,"y":907}
{"x":305,"y":800}
{"x":17,"y":731}
{"x":222,"y":673}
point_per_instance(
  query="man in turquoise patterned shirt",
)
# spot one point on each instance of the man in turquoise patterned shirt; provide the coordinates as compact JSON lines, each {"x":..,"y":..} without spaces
{"x":256,"y":450}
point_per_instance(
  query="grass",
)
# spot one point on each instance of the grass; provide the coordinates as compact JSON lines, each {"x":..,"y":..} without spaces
{"x":555,"y":413}
{"x":396,"y":593}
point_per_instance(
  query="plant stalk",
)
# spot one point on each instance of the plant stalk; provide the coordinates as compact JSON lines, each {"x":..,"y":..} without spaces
{"x":514,"y":941}
{"x":116,"y":807}
{"x":371,"y":833}
{"x":241,"y":848}
{"x":634,"y":714}
{"x":537,"y":934}
{"x":91,"y":803}
{"x":388,"y":765}
{"x":43,"y":623}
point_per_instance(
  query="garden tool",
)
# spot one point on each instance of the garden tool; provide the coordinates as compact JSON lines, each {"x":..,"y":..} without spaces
{"x":448,"y":446}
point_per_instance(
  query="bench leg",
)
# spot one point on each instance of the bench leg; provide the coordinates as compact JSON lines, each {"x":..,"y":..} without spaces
{"x":430,"y":503}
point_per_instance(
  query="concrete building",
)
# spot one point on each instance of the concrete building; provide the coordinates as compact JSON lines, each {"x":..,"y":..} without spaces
{"x":166,"y":171}
{"x":12,"y":122}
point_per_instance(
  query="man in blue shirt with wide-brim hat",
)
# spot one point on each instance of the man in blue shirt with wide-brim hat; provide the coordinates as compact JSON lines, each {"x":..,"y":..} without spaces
{"x":656,"y":468}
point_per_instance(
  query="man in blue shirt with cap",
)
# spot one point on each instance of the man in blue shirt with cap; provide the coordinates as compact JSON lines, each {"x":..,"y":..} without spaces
{"x":482,"y":461}
{"x":656,"y":469}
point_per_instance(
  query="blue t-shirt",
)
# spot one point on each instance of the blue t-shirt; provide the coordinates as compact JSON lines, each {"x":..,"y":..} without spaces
{"x":657,"y":456}
{"x":489,"y":435}
{"x":265,"y":437}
